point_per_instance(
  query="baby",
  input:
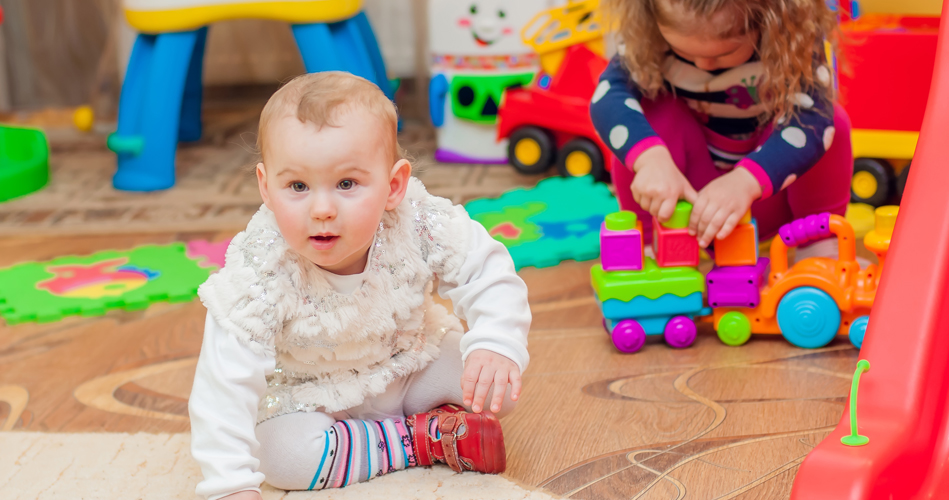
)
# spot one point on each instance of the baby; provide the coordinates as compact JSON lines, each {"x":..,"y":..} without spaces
{"x":325,"y":361}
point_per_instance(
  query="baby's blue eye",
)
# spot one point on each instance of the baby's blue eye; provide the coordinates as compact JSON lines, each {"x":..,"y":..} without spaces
{"x":298,"y":187}
{"x":346,"y":184}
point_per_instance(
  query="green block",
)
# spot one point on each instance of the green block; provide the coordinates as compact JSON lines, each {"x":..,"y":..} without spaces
{"x":680,"y":218}
{"x":95,"y":284}
{"x":24,"y":161}
{"x":558,"y":219}
{"x":652,"y":282}
{"x":621,"y":221}
{"x":477,"y":98}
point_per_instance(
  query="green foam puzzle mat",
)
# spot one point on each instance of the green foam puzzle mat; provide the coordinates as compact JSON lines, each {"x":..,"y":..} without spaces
{"x":558,"y":219}
{"x":94,"y":284}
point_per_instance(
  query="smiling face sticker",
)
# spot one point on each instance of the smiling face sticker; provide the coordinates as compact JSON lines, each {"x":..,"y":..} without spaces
{"x":480,"y":27}
{"x":486,"y":22}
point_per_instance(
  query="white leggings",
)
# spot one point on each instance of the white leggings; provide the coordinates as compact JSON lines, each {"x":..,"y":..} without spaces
{"x":289,"y":444}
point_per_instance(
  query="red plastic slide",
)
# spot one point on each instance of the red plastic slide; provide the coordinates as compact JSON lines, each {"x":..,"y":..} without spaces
{"x":903,"y":398}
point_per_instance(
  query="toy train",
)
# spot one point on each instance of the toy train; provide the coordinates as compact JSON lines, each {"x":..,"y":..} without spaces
{"x":809,"y":303}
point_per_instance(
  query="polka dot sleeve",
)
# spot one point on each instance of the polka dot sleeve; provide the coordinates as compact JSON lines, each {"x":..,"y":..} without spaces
{"x":794,"y":146}
{"x":618,"y":116}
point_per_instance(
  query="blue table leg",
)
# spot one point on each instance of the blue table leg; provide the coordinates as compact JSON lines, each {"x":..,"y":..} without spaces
{"x":316,"y":47}
{"x":375,"y":56}
{"x":126,"y":142}
{"x":160,"y":113}
{"x":352,"y":51}
{"x":190,"y":127}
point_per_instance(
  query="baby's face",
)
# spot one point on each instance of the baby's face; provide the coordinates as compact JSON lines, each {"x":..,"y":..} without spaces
{"x":329,"y":187}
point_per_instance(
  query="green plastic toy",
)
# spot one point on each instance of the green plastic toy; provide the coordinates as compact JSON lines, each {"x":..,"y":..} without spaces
{"x":855,"y":439}
{"x":680,"y":217}
{"x":652,"y":282}
{"x":477,"y":98}
{"x":24,"y":161}
{"x":558,"y":219}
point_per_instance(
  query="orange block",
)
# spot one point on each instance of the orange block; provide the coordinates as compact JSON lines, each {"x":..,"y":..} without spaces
{"x":740,"y":248}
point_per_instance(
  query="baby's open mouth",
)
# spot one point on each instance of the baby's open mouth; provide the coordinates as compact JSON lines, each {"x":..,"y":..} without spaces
{"x":323,"y":241}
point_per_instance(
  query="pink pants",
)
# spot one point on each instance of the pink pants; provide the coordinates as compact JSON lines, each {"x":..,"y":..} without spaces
{"x":824,"y":188}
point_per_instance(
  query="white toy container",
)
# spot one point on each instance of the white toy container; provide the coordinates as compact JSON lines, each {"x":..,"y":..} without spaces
{"x":476,"y":53}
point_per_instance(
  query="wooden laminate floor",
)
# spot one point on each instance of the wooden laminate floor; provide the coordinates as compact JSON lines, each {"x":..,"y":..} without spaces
{"x":706,"y":422}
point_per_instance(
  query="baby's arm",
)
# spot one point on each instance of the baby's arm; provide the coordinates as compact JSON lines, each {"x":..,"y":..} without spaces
{"x":790,"y":151}
{"x":618,"y":118}
{"x":488,"y":293}
{"x":229,"y":382}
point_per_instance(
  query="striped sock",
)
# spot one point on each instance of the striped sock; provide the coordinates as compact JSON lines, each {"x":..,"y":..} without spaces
{"x":358,"y":450}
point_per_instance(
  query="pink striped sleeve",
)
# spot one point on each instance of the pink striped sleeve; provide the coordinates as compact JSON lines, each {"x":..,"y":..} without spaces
{"x":640,"y":147}
{"x":752,"y":166}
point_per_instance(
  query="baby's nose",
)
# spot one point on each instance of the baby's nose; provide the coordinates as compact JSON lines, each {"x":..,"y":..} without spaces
{"x":322,"y":209}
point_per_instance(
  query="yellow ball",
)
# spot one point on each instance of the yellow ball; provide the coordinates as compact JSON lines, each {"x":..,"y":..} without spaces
{"x":83,"y":118}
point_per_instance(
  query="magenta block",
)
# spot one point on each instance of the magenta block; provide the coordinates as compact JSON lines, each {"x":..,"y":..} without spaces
{"x":736,"y":286}
{"x":621,"y":250}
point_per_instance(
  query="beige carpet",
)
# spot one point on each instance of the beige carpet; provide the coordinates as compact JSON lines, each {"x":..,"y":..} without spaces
{"x":159,"y":466}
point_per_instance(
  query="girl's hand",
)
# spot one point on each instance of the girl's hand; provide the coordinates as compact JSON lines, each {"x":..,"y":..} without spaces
{"x":721,"y":205}
{"x":243,"y":495}
{"x":659,"y":184}
{"x":483,"y":368}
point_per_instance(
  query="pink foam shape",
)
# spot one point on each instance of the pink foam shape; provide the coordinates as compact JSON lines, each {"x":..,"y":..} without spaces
{"x":212,"y":253}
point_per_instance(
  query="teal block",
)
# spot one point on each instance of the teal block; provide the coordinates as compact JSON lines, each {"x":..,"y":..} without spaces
{"x":642,"y":307}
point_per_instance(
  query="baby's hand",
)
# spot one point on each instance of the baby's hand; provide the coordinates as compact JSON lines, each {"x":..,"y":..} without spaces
{"x":659,"y":184}
{"x":243,"y":495}
{"x":482,"y":368}
{"x":721,"y":205}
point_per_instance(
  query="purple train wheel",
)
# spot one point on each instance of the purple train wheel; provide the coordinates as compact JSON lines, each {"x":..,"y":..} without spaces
{"x":628,"y":335}
{"x":680,"y":332}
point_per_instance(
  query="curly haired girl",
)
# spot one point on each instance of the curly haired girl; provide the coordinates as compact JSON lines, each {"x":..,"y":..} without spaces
{"x":728,"y":104}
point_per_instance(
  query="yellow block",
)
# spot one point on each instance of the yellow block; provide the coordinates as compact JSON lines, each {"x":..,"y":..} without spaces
{"x":154,"y":16}
{"x":897,"y":144}
{"x":878,"y":240}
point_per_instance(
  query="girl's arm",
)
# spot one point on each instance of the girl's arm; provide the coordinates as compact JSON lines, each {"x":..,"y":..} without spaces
{"x":228,"y":384}
{"x":491,"y":297}
{"x":794,"y":146}
{"x":618,"y":116}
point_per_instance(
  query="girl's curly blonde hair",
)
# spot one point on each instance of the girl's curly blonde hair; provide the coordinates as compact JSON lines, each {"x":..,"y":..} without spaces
{"x":792,"y":35}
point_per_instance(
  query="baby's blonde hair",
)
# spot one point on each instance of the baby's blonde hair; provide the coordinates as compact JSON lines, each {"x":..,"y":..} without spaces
{"x":792,"y":34}
{"x":318,"y":98}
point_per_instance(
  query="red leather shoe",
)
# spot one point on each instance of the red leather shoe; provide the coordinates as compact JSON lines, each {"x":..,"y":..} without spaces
{"x":464,"y":440}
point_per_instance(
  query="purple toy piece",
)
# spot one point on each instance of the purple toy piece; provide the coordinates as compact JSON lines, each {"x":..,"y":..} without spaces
{"x":445,"y":156}
{"x":738,"y":286}
{"x":802,"y":231}
{"x":621,"y":250}
{"x":680,"y":332}
{"x":628,"y":335}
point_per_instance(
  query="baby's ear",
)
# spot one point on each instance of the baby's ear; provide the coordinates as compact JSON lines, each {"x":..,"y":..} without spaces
{"x":262,"y":184}
{"x":398,"y":183}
